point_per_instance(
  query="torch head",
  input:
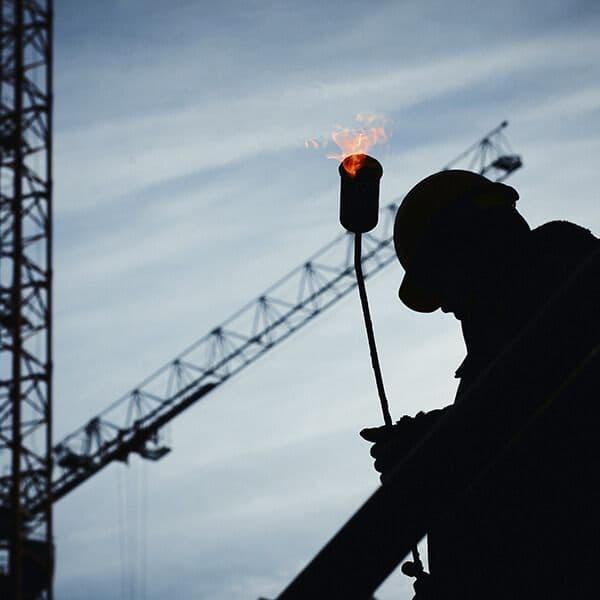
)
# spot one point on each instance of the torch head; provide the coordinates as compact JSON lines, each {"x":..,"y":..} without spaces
{"x":359,"y":192}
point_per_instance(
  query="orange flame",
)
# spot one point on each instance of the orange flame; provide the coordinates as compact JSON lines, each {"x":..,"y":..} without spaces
{"x":355,"y":142}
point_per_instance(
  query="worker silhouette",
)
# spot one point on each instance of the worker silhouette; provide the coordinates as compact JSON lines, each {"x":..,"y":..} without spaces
{"x":526,"y":526}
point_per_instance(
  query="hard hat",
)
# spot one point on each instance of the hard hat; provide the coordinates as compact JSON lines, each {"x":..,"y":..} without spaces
{"x":423,"y":204}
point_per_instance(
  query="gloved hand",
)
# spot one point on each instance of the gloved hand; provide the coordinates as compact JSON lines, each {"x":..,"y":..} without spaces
{"x":392,"y":443}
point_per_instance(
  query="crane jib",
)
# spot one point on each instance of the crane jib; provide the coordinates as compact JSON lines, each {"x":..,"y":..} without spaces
{"x":133,"y":422}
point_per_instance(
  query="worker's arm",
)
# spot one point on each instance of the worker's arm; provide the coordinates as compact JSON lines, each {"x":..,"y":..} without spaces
{"x":392,"y":444}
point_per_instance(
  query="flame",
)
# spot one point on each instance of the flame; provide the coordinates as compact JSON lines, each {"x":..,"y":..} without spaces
{"x":354,"y":142}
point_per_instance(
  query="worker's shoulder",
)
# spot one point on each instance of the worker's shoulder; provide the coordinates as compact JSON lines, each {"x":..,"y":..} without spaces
{"x":562,"y":245}
{"x":556,"y":236}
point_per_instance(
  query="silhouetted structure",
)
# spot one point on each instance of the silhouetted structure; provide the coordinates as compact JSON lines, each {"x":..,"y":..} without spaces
{"x":25,"y":296}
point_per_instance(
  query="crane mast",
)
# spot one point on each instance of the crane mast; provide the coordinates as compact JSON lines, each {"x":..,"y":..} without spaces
{"x":133,"y":422}
{"x":25,"y":297}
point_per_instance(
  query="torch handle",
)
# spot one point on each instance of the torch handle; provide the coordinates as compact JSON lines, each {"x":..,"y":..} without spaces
{"x":362,"y":291}
{"x":387,"y":418}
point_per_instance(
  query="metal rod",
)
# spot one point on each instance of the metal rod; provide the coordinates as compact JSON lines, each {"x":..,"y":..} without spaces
{"x":385,"y":409}
{"x":362,"y":291}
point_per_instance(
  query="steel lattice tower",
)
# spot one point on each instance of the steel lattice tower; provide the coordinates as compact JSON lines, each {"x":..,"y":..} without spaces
{"x":25,"y":296}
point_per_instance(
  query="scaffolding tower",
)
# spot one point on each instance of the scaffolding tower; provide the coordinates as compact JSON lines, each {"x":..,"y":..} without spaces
{"x":25,"y":297}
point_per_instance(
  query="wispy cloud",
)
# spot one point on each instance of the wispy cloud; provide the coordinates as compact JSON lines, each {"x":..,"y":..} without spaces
{"x":210,"y":133}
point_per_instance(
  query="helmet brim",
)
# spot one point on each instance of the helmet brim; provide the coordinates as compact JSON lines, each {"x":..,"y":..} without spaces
{"x":416,"y":297}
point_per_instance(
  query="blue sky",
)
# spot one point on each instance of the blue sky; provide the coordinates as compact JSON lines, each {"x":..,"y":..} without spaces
{"x":183,"y":189}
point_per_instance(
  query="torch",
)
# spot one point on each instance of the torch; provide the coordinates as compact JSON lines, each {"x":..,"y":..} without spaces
{"x":359,"y":212}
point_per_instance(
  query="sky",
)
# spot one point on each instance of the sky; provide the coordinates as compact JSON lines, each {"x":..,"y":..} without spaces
{"x":183,"y":189}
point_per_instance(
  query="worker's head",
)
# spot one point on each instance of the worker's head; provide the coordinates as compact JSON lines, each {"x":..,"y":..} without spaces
{"x":449,"y":231}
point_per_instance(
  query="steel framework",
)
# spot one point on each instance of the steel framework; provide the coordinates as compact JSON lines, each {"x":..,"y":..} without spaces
{"x":133,"y":422}
{"x":25,"y":296}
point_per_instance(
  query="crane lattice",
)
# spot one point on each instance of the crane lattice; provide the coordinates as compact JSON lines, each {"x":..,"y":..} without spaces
{"x":133,"y":422}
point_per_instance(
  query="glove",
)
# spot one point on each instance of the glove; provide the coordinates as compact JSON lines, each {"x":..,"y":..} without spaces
{"x":392,"y":443}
